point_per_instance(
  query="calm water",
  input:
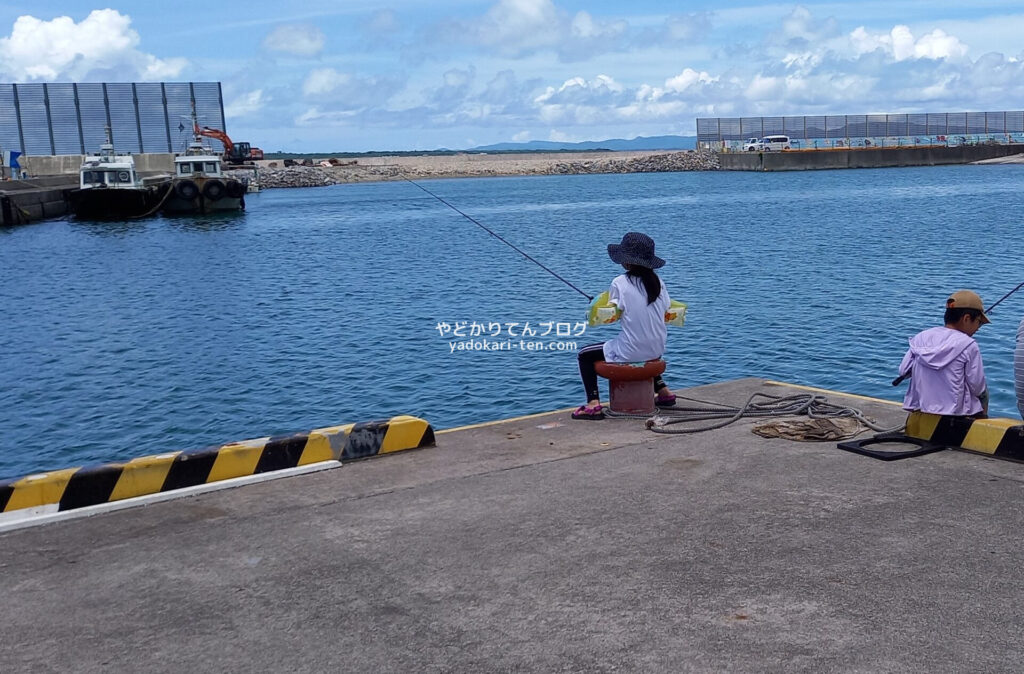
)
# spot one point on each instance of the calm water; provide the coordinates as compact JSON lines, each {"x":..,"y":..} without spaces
{"x":321,"y":306}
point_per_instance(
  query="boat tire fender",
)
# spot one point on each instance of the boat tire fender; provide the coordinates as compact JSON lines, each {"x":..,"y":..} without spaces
{"x":186,"y":189}
{"x":213,"y":190}
{"x":234,"y":189}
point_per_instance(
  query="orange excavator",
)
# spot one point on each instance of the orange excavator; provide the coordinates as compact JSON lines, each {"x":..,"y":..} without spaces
{"x":234,"y":153}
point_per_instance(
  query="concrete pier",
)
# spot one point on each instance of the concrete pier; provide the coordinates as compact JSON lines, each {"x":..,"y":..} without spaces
{"x":890,"y":157}
{"x":24,"y":201}
{"x":546,"y":544}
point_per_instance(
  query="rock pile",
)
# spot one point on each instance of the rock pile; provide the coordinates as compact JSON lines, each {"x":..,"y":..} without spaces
{"x":555,"y":164}
{"x":655,"y":163}
{"x":295,"y":176}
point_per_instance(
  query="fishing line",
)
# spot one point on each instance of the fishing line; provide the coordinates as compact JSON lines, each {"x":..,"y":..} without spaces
{"x":499,"y":238}
{"x":899,"y":380}
{"x":1005,"y":296}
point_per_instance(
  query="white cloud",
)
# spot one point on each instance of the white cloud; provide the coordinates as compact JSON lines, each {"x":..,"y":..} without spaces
{"x":938,"y":45}
{"x":687,"y":79}
{"x":863,"y":42}
{"x":938,"y":90}
{"x":316,"y":117}
{"x":103,"y":45}
{"x":584,"y":27}
{"x":324,"y":81}
{"x":458,"y":78}
{"x":603,"y":100}
{"x":762,"y":87}
{"x":802,"y":61}
{"x":901,"y":40}
{"x":682,"y":28}
{"x":808,"y":67}
{"x":348,"y":91}
{"x":556,"y":136}
{"x":305,"y":40}
{"x":519,"y":28}
{"x":579,"y":90}
{"x":799,"y":24}
{"x":456,"y":86}
{"x":795,"y":64}
{"x":901,"y":45}
{"x":246,"y":104}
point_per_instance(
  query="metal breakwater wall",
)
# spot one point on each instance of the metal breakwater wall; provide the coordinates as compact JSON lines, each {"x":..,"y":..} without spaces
{"x":718,"y":133}
{"x":69,"y":118}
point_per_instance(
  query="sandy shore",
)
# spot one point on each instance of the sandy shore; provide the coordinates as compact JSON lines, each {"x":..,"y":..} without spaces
{"x":368,"y":169}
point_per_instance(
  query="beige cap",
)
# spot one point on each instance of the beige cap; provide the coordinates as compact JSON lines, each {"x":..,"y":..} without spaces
{"x":967,"y":299}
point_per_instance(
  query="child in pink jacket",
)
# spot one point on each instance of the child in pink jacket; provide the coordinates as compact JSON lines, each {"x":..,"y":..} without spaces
{"x":944,"y":363}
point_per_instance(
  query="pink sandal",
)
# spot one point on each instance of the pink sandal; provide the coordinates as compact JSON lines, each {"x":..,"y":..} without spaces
{"x":667,"y":401}
{"x":594,"y":413}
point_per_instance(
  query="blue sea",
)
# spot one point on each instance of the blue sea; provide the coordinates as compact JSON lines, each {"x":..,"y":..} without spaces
{"x":339,"y":304}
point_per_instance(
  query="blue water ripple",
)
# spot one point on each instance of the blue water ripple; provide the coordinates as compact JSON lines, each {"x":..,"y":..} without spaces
{"x":321,"y":306}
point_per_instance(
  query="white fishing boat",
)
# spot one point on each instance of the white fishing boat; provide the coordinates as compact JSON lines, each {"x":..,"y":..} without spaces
{"x":109,"y":187}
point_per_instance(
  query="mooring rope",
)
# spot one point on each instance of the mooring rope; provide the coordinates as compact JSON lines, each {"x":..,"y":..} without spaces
{"x":170,"y":188}
{"x":803,"y":404}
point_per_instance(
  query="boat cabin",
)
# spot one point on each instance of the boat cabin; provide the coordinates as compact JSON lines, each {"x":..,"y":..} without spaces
{"x":108,"y":170}
{"x":197,"y":162}
{"x":189,"y":167}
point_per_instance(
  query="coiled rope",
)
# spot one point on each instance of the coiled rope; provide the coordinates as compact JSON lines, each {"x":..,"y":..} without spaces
{"x":803,"y":404}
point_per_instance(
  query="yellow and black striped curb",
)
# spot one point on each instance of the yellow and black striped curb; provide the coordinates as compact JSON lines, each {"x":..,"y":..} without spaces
{"x":999,"y":438}
{"x":91,"y":485}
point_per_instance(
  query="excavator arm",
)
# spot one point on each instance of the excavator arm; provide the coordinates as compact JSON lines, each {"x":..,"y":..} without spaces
{"x":218,"y":134}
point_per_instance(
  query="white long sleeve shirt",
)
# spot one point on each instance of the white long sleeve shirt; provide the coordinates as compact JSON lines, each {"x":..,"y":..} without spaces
{"x":643,"y":334}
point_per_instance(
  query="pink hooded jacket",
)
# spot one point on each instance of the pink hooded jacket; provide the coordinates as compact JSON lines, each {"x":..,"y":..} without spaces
{"x":947,"y":375}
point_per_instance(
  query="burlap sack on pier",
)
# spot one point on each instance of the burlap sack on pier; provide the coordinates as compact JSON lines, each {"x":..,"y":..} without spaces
{"x":811,"y":430}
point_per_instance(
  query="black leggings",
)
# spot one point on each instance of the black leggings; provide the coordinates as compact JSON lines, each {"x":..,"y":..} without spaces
{"x":588,"y":357}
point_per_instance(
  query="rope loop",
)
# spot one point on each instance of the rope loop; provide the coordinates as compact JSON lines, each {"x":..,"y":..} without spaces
{"x":812,"y":405}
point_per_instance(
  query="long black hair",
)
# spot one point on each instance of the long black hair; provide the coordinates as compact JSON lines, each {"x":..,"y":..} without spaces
{"x":647,"y":277}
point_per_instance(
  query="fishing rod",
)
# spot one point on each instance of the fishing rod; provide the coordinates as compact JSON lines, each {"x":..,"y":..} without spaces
{"x":499,"y":238}
{"x":899,"y":380}
{"x":1019,"y":286}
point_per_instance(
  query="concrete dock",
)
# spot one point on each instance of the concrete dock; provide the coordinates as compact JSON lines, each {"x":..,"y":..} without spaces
{"x":546,"y":544}
{"x":24,"y":201}
{"x":874,"y":157}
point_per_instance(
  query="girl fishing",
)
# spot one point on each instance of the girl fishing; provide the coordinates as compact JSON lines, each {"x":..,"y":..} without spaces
{"x":643,"y":299}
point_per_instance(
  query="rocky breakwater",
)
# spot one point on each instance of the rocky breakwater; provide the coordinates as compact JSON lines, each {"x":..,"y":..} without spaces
{"x":295,"y":176}
{"x":655,"y":163}
{"x":477,"y":165}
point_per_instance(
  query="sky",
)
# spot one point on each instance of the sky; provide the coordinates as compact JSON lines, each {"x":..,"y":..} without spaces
{"x":365,"y":75}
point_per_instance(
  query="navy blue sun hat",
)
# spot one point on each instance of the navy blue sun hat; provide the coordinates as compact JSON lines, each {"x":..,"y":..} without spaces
{"x":636,"y":248}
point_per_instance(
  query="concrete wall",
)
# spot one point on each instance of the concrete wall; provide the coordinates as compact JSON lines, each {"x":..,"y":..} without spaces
{"x":20,"y":206}
{"x":52,"y":165}
{"x":807,"y":160}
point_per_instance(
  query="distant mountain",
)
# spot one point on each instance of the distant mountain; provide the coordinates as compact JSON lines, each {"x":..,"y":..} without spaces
{"x":638,"y":143}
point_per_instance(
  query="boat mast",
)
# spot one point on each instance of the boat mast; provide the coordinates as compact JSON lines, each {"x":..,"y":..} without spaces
{"x":107,"y":149}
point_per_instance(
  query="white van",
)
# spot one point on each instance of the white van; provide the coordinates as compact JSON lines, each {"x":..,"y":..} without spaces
{"x":769,"y":143}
